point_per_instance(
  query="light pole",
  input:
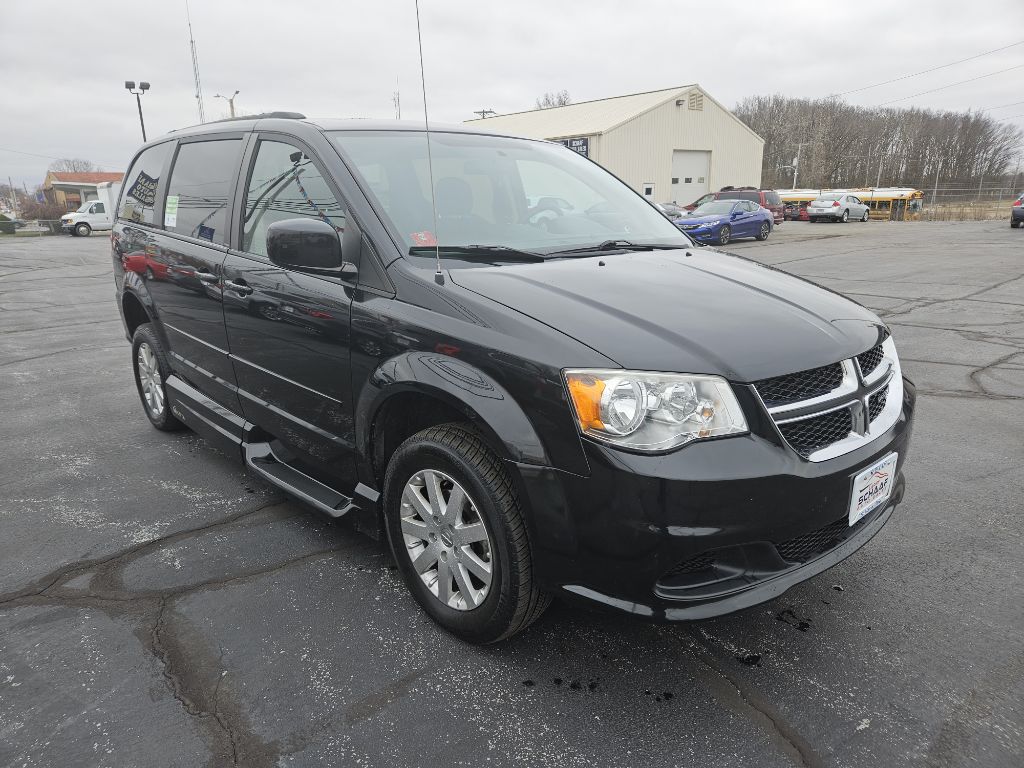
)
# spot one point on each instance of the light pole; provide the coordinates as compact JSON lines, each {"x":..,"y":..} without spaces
{"x":229,"y":99}
{"x":143,"y":87}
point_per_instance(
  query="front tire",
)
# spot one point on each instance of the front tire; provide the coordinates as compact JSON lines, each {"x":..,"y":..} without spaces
{"x":83,"y":229}
{"x":866,"y":215}
{"x":151,"y":371}
{"x":765,"y":230}
{"x":456,"y":530}
{"x":724,"y":235}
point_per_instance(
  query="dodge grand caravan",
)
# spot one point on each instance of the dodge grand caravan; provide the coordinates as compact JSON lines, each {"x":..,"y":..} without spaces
{"x":509,"y":363}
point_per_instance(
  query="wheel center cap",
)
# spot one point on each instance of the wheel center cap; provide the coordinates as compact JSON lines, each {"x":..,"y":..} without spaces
{"x":447,"y":537}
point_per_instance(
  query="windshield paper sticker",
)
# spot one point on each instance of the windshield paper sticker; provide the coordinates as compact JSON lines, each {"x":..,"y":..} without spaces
{"x":171,"y":211}
{"x":425,"y":238}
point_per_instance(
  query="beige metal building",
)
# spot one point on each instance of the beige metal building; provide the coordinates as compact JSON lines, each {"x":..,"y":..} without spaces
{"x":670,"y":145}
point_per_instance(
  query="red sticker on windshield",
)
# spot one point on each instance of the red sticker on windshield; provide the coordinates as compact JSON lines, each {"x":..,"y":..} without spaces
{"x":423,"y":238}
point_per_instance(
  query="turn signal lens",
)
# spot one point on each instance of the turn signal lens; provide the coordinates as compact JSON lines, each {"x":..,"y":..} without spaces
{"x":653,"y":411}
{"x":586,"y":396}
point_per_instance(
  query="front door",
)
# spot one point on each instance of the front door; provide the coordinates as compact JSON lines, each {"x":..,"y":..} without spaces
{"x":190,"y":252}
{"x":288,"y":331}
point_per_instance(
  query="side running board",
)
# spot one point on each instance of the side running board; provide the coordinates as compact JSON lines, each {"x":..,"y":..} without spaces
{"x":260,"y":457}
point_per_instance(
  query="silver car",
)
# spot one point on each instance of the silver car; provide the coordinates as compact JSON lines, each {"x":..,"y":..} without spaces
{"x":837,"y":206}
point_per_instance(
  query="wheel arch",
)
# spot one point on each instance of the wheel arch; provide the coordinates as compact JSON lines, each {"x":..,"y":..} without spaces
{"x":416,"y":390}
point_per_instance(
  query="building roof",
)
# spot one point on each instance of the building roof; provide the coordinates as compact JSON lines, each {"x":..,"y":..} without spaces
{"x":95,"y":177}
{"x":585,"y":118}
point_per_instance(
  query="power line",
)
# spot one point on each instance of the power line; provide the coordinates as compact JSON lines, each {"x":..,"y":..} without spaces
{"x":45,"y":157}
{"x":950,"y":85}
{"x":1002,"y":106}
{"x":926,"y":71}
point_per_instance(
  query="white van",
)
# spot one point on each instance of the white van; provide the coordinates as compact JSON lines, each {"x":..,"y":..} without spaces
{"x":94,"y":214}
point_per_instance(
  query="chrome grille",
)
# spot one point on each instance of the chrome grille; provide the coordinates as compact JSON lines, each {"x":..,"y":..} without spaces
{"x":799,"y":386}
{"x":828,"y":411}
{"x":813,"y":434}
{"x":870,"y":360}
{"x":876,"y":404}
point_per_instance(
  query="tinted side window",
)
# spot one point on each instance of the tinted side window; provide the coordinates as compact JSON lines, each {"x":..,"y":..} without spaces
{"x":197,"y":195}
{"x":772,"y":198}
{"x":739,"y":195}
{"x":98,"y":208}
{"x":284,"y":185}
{"x":140,"y":185}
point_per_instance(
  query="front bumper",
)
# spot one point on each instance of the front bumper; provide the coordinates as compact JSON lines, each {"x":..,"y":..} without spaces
{"x":702,"y":234}
{"x":629,"y":535}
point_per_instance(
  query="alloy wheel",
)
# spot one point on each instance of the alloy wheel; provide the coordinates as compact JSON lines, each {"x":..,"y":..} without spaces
{"x":764,"y":231}
{"x":150,"y":380}
{"x":723,"y":235}
{"x":446,"y":539}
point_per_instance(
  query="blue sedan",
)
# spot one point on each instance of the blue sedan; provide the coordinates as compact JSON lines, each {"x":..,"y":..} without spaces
{"x":721,"y":221}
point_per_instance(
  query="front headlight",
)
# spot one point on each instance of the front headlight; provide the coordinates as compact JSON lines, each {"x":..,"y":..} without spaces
{"x":653,"y":411}
{"x":714,"y":223}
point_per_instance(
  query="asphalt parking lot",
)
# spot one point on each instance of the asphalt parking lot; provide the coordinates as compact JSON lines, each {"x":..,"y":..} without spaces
{"x":159,"y":607}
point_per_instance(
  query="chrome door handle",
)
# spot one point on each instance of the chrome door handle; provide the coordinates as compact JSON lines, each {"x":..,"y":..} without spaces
{"x":207,"y":277}
{"x":240,"y":288}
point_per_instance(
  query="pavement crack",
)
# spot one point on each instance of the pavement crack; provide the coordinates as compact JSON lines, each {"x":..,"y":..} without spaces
{"x":731,"y":692}
{"x":71,"y":570}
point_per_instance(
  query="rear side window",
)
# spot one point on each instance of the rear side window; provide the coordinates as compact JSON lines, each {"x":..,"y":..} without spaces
{"x":772,"y":198}
{"x":740,"y":195}
{"x":140,"y":184}
{"x":197,"y":194}
{"x":285,"y":185}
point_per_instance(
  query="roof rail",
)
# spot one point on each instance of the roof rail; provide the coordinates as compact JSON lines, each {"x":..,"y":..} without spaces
{"x":260,"y":116}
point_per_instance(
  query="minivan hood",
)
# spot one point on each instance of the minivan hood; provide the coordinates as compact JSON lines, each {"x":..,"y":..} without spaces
{"x":695,"y":311}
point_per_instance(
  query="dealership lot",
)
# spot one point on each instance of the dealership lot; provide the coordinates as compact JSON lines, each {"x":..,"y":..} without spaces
{"x":160,"y":607}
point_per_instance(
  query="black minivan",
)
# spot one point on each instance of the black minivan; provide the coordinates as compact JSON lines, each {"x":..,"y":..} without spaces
{"x":509,"y":363}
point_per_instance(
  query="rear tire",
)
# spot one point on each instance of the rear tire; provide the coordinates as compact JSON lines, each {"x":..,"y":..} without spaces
{"x":1014,"y":223}
{"x":481,"y":545}
{"x":151,"y":371}
{"x":846,"y":216}
{"x":83,"y":229}
{"x":765,"y":230}
{"x":724,"y":235}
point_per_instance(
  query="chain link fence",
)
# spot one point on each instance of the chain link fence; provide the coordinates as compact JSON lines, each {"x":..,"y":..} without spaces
{"x":974,"y":203}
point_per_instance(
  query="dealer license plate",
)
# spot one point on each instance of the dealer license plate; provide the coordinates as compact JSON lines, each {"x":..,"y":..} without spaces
{"x":872,"y":487}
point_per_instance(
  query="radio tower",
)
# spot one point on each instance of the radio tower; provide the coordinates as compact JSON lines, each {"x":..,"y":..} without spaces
{"x":195,"y":67}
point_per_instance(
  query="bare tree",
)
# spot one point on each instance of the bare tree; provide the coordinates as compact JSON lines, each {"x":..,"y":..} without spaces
{"x":556,"y":99}
{"x":73,"y":165}
{"x":846,"y":146}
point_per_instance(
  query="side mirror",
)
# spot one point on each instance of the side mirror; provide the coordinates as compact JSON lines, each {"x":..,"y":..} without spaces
{"x":736,"y":214}
{"x":307,"y":245}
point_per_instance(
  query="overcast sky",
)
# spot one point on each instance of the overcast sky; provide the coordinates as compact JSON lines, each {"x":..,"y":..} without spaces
{"x":63,"y":65}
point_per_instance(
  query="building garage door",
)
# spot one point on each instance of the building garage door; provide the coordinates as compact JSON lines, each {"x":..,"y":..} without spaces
{"x":690,"y":169}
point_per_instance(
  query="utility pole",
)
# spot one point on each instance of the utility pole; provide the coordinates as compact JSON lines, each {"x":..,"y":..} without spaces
{"x":878,"y":181}
{"x":484,"y":113}
{"x":229,"y":99}
{"x":143,"y":87}
{"x":796,"y":161}
{"x":14,"y":197}
{"x":935,"y":189}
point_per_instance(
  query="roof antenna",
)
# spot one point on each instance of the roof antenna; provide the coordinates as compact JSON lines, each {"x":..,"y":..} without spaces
{"x":438,"y":276}
{"x":195,"y":66}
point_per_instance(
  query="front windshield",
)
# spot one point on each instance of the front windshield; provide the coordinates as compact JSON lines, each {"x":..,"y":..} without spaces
{"x":498,"y":191}
{"x":83,"y":207}
{"x":714,"y":208}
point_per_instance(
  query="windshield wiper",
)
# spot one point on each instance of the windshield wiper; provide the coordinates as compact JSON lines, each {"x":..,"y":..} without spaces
{"x":618,"y":245}
{"x":495,"y":251}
